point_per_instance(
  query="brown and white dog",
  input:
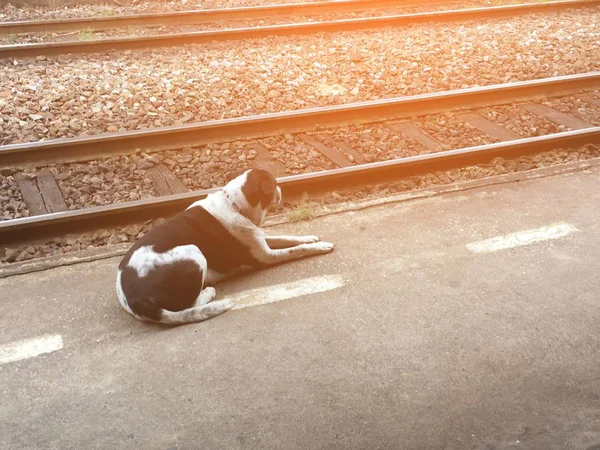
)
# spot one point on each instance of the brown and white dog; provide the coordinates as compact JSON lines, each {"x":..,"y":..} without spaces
{"x":166,"y":275}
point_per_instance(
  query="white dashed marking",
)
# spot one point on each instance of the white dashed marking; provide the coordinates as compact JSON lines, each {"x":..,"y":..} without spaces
{"x":286,"y":291}
{"x":29,"y":348}
{"x":522,"y":238}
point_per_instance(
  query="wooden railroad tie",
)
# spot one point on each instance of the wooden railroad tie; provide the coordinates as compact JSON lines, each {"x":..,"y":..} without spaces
{"x":556,"y":116}
{"x":165,"y":182}
{"x":343,"y":149}
{"x":591,"y":100}
{"x":41,"y":193}
{"x":488,"y":127}
{"x":265,"y":161}
{"x":339,"y":159}
{"x":416,"y":133}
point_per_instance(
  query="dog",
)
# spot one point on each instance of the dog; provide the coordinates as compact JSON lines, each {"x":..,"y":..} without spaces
{"x":168,"y":274}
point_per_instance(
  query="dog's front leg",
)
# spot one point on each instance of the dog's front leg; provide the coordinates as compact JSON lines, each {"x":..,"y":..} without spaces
{"x":276,"y":242}
{"x":269,"y":257}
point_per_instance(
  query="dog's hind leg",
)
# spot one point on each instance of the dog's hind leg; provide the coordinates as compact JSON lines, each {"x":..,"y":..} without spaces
{"x":204,"y":307}
{"x":276,"y":242}
{"x":195,"y":314}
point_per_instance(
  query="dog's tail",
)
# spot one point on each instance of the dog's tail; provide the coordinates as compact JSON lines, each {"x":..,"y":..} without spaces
{"x":195,"y":314}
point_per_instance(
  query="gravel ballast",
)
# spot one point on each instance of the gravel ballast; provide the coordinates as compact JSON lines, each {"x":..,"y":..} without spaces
{"x":207,"y":166}
{"x":94,"y":183}
{"x":453,"y":133}
{"x":295,"y":154}
{"x":92,"y":94}
{"x":521,"y":122}
{"x":578,"y":108}
{"x":98,"y":183}
{"x":376,"y":142}
{"x":12,"y":205}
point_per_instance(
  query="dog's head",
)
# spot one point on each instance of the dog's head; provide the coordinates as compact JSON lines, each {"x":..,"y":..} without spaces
{"x":253,"y":192}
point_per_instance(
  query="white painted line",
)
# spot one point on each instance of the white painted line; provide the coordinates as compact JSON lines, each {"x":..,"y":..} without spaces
{"x":522,"y":238}
{"x":286,"y":291}
{"x":28,"y":348}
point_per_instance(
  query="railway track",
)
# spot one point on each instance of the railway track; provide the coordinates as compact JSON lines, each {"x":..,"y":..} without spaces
{"x":178,"y":136}
{"x":199,"y":37}
{"x":386,"y":141}
{"x":207,"y":16}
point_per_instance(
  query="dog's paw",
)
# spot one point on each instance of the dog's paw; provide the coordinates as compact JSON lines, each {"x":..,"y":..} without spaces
{"x":210,"y":292}
{"x":310,"y":239}
{"x":322,"y":247}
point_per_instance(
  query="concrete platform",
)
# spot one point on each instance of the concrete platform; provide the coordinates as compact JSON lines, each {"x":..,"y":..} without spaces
{"x":412,"y":339}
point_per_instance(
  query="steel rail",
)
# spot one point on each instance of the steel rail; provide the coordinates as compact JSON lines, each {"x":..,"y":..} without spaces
{"x":207,"y":15}
{"x":200,"y":37}
{"x":90,"y":147}
{"x":58,"y":224}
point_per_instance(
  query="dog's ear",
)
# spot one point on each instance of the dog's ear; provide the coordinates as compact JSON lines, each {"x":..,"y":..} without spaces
{"x":267,"y":191}
{"x":260,"y":187}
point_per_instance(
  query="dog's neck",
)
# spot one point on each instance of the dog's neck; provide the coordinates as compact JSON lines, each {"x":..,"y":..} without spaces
{"x":236,"y":208}
{"x":232,"y":202}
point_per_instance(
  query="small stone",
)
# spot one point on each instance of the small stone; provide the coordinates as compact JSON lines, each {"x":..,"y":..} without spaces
{"x":103,"y":234}
{"x":62,"y":176}
{"x":24,"y":256}
{"x":527,"y":166}
{"x":131,"y":230}
{"x":159,"y":221}
{"x":11,"y":253}
{"x":112,"y":129}
{"x":113,"y":239}
{"x":356,"y":57}
{"x":146,"y":164}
